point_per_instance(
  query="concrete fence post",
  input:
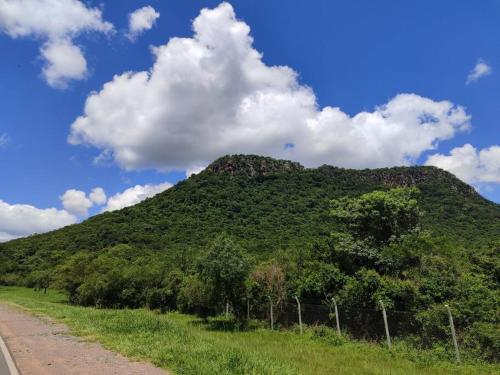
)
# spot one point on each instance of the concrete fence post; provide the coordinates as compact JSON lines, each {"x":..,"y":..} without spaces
{"x":227,"y":310}
{"x":453,"y":334}
{"x":386,"y":325}
{"x":300,"y":313}
{"x":337,"y":319}
{"x":271,"y":311}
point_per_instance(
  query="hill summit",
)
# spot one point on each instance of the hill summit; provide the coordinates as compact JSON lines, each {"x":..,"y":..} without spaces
{"x":252,"y":165}
{"x":265,"y":204}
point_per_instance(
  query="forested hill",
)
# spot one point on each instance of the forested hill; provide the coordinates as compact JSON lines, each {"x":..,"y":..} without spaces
{"x":267,"y":205}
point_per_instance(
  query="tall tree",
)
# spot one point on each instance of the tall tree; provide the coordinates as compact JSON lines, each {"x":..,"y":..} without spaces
{"x":224,"y":269}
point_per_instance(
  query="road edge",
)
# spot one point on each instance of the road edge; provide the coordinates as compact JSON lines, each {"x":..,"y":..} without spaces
{"x":8,"y":358}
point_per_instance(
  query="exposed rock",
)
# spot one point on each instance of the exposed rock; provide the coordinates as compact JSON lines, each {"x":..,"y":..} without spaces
{"x":252,"y":165}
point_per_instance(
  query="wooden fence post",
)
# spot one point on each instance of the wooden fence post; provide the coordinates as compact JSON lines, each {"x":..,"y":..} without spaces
{"x":271,"y":310}
{"x":300,"y":314}
{"x":336,"y":315}
{"x":453,"y":334}
{"x":386,"y":325}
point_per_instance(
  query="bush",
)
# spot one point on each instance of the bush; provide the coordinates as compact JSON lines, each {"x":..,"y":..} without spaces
{"x":484,"y":340}
{"x":194,"y":297}
{"x":326,"y":334}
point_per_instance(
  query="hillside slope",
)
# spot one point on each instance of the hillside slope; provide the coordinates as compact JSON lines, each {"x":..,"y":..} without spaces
{"x":267,"y":204}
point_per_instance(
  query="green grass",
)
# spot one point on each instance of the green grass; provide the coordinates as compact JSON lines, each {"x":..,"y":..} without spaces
{"x":185,"y":345}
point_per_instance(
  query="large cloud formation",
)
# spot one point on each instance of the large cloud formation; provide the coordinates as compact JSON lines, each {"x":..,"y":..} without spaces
{"x":212,"y":94}
{"x":56,"y":23}
{"x":471,"y":165}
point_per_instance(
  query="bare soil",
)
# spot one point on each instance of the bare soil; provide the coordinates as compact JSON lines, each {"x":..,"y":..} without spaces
{"x":40,"y":347}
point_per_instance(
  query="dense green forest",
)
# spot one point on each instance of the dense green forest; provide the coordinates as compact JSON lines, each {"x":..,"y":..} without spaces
{"x":250,"y":228}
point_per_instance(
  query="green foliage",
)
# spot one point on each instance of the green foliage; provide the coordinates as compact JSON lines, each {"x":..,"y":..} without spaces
{"x":267,"y":206}
{"x":414,"y":237}
{"x":224,"y":269}
{"x":195,"y":297}
{"x":360,"y":290}
{"x":484,"y":340}
{"x":379,"y":216}
{"x":320,"y":281}
{"x":267,"y":281}
{"x":184,"y":345}
{"x":326,"y":334}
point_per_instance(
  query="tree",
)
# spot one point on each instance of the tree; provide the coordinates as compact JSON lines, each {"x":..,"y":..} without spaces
{"x":378,"y":230}
{"x":379,"y":216}
{"x":268,"y":281}
{"x":224,"y":269}
{"x":320,"y":280}
{"x":41,"y":279}
{"x":195,"y":296}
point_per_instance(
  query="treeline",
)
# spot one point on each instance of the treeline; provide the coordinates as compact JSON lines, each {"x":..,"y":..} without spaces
{"x":264,"y":205}
{"x":376,"y":250}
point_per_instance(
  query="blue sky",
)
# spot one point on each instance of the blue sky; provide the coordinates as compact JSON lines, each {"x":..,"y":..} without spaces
{"x":357,"y":56}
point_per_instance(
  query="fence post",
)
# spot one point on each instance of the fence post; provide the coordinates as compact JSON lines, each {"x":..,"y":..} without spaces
{"x":336,"y":315}
{"x":248,"y":308}
{"x":386,"y":325}
{"x":227,"y":309}
{"x":453,"y":334}
{"x":271,"y":309}
{"x":300,"y":314}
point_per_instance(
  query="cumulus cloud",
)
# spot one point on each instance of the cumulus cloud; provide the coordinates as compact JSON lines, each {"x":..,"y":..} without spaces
{"x":134,"y":195}
{"x":212,"y":94}
{"x":56,"y":23}
{"x":141,"y":20}
{"x":481,"y":69}
{"x":64,"y":62}
{"x":469,"y":164}
{"x":18,"y":220}
{"x":76,"y":202}
{"x":98,"y":196}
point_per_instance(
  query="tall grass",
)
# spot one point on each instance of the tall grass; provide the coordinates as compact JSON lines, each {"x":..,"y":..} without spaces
{"x":185,"y":345}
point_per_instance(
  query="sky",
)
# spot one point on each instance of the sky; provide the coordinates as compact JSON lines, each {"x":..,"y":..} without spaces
{"x":106,"y":103}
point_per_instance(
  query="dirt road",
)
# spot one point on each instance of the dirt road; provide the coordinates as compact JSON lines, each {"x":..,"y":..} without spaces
{"x":41,"y":347}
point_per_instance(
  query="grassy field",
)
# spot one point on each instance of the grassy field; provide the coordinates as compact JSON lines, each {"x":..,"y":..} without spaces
{"x":185,"y":345}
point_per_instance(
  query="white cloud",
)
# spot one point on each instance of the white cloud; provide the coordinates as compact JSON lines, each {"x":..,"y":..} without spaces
{"x":64,"y":62}
{"x":98,"y":196}
{"x":194,"y":170}
{"x":212,"y":94}
{"x":135,"y":195}
{"x":469,"y":164}
{"x":56,"y":23}
{"x":76,"y":202}
{"x":141,"y":20}
{"x":480,"y":70}
{"x":17,"y":220}
{"x":4,"y":139}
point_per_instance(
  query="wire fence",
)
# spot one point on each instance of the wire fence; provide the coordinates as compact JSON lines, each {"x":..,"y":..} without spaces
{"x":367,"y":324}
{"x":362,"y":323}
